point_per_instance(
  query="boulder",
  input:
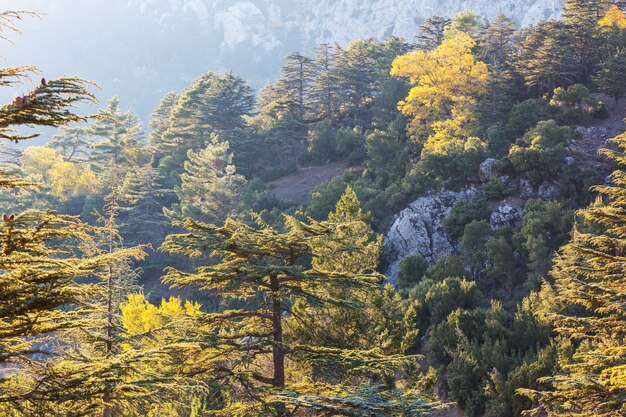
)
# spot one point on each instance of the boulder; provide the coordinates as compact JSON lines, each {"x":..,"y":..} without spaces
{"x":419,"y":229}
{"x":487,"y":169}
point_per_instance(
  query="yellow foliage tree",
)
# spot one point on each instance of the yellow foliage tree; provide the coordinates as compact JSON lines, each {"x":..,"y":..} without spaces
{"x":38,"y":160}
{"x":65,"y":179}
{"x":68,"y":179}
{"x":141,"y":316}
{"x":613,"y":19}
{"x":446,"y":82}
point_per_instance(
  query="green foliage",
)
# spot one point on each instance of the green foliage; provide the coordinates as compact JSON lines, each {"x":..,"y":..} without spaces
{"x":267,"y":264}
{"x":412,"y":270}
{"x":540,"y":154}
{"x":545,"y":227}
{"x":464,"y":212}
{"x":589,"y":284}
{"x":209,"y":184}
{"x":450,"y":294}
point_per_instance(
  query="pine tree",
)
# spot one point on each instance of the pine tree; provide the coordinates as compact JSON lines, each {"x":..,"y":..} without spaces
{"x":160,"y":123}
{"x":213,"y":104}
{"x":359,"y":80}
{"x":497,"y":43}
{"x":611,"y":75}
{"x":324,"y":88}
{"x":581,"y":19}
{"x":71,"y":142}
{"x":546,"y":59}
{"x":39,"y":264}
{"x":382,"y":321}
{"x":431,"y":33}
{"x":141,"y":218}
{"x":294,"y":84}
{"x":116,"y":135}
{"x":590,"y":282}
{"x":104,"y":369}
{"x":249,"y":347}
{"x":209,"y":184}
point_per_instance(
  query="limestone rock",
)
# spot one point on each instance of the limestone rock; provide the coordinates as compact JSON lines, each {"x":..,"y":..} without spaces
{"x":419,"y":229}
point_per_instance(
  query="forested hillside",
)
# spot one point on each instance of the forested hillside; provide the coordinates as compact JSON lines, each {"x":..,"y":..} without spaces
{"x":163,"y":45}
{"x":398,"y":227}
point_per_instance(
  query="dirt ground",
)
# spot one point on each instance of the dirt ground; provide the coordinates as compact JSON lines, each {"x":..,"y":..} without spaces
{"x":296,"y":188}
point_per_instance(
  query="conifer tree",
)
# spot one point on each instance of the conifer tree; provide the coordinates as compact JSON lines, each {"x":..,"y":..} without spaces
{"x":253,"y":355}
{"x":213,"y":104}
{"x":209,"y":184}
{"x":581,"y":19}
{"x":117,"y":134}
{"x":141,"y":218}
{"x":39,"y":265}
{"x":294,"y":84}
{"x":590,"y":282}
{"x":431,"y":32}
{"x":497,"y":43}
{"x":324,"y":88}
{"x":611,"y":75}
{"x":546,"y":58}
{"x":71,"y":142}
{"x":160,"y":123}
{"x":383,"y":320}
{"x":358,"y":77}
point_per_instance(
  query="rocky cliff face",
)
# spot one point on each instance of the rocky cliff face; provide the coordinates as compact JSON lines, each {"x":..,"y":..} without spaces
{"x":140,"y":49}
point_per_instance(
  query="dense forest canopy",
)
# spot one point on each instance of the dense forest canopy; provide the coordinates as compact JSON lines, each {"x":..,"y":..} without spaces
{"x":398,"y":227}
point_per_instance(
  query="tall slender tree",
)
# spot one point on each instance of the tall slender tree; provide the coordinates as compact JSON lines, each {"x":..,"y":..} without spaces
{"x":431,"y":32}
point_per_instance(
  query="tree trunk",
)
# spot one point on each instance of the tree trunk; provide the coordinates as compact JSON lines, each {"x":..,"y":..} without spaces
{"x":278,"y":351}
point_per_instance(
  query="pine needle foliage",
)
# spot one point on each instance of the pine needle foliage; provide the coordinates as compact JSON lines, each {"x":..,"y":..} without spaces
{"x":590,"y":281}
{"x":267,"y":269}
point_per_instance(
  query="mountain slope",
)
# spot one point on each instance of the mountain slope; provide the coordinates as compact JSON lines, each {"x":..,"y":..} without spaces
{"x":166,"y":43}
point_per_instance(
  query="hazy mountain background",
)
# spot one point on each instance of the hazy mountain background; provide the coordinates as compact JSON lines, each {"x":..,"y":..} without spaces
{"x":141,"y":49}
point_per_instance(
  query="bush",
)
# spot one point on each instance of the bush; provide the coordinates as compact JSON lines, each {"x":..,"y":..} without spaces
{"x":454,"y":159}
{"x":321,"y":143}
{"x":448,"y":266}
{"x":464,"y":212}
{"x":350,"y":144}
{"x":452,"y":293}
{"x":540,"y":154}
{"x":526,"y":115}
{"x":412,"y":270}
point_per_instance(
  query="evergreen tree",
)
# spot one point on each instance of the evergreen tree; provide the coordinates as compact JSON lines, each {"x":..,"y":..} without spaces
{"x":209,"y":185}
{"x":611,"y":75}
{"x":324,"y":88}
{"x":581,"y":19}
{"x":160,"y":123}
{"x":497,"y":43}
{"x":141,"y":218}
{"x":295,"y":81}
{"x":383,"y":320}
{"x":39,"y":264}
{"x":590,"y":288}
{"x":431,"y":33}
{"x":71,"y":142}
{"x":358,"y":79}
{"x":255,"y":359}
{"x":213,"y":104}
{"x":546,"y":59}
{"x":117,"y":134}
